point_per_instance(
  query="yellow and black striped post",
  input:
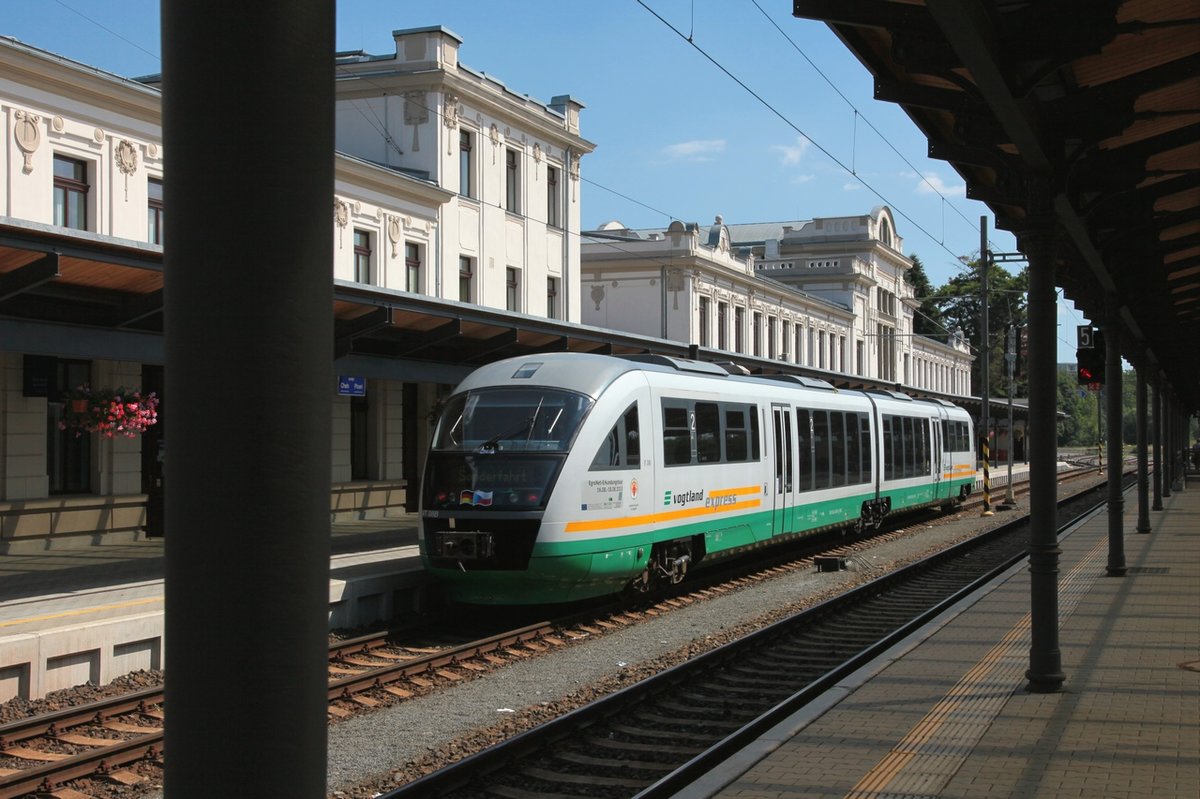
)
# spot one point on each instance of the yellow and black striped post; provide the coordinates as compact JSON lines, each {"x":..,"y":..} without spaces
{"x":987,"y":480}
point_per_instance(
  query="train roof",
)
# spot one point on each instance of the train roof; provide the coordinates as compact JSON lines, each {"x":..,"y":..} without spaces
{"x":578,"y":371}
{"x":590,"y":374}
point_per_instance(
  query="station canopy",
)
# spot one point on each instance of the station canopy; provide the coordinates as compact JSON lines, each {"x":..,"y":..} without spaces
{"x":1084,"y":111}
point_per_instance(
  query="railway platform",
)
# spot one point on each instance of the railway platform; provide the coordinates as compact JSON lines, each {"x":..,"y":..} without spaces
{"x":946,"y":713}
{"x":92,"y":613}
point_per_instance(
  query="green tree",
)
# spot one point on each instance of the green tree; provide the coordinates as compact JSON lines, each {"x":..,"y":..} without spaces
{"x":959,"y":305}
{"x":927,"y":321}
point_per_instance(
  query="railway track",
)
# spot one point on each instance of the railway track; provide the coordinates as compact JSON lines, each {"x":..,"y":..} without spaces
{"x":653,"y":738}
{"x":103,"y":739}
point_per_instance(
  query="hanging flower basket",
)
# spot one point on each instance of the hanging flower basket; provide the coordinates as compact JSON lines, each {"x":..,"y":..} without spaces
{"x":108,"y":411}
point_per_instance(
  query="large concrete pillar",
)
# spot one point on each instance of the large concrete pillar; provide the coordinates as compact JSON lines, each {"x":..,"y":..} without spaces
{"x":248,"y":142}
{"x":1045,"y":659}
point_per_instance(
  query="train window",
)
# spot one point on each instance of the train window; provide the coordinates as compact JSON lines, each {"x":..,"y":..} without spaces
{"x":910,"y":448}
{"x":633,"y":446}
{"x":754,"y":450}
{"x":889,"y":446}
{"x":677,"y":436}
{"x":708,"y":432}
{"x":853,"y":454}
{"x":820,"y":449}
{"x":866,"y":449}
{"x":736,"y":435}
{"x":927,"y":451}
{"x":803,"y":451}
{"x":620,"y":447}
{"x":837,"y":444}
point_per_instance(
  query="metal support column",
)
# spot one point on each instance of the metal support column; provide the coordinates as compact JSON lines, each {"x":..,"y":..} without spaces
{"x":1116,"y":460}
{"x":248,"y":124}
{"x":1045,"y":659}
{"x":985,"y":350}
{"x":1156,"y":436}
{"x":1168,"y":461}
{"x":1143,"y":476}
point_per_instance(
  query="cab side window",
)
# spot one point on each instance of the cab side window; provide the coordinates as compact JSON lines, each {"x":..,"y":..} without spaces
{"x":621,"y":447}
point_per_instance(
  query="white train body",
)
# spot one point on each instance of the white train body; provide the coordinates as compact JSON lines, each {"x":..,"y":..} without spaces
{"x":563,"y":476}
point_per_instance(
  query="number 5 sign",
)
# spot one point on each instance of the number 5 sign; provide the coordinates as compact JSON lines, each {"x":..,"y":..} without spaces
{"x":1084,"y":334}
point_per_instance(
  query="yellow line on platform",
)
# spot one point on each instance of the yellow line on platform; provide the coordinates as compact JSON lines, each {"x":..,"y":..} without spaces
{"x":83,"y":611}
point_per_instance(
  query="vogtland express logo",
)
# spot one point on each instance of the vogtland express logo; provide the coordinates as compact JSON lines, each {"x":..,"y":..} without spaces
{"x":682,"y":497}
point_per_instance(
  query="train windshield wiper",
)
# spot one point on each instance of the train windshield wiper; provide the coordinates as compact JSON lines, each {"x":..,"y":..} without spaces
{"x":492,"y":445}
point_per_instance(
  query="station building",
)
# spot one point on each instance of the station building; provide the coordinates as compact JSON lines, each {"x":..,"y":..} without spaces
{"x":828,"y":294}
{"x":456,"y":228}
{"x":448,"y":186}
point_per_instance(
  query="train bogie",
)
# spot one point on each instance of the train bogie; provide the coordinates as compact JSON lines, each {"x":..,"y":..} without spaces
{"x":568,"y":476}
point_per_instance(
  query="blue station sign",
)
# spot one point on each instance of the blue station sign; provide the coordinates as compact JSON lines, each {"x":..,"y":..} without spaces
{"x":352,"y":386}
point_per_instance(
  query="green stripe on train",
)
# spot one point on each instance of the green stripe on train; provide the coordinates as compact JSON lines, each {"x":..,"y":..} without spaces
{"x":575,"y":569}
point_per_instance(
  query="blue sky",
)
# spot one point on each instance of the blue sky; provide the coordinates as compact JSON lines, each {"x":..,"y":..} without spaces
{"x":676,"y":137}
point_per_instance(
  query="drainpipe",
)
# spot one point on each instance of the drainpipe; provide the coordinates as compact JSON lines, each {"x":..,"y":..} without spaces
{"x":566,"y":242}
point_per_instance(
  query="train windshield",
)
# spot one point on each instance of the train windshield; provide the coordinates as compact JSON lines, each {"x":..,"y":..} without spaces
{"x":511,"y":420}
{"x":501,"y":449}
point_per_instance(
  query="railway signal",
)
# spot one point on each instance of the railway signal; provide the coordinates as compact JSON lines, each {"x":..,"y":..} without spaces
{"x":1090,"y":358}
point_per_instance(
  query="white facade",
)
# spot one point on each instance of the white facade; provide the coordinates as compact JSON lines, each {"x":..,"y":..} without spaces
{"x":82,"y":156}
{"x":685,"y":283}
{"x":510,"y":163}
{"x":859,"y":262}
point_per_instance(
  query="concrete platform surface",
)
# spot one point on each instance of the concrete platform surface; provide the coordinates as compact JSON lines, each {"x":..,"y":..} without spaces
{"x":90,"y":614}
{"x":946,"y":713}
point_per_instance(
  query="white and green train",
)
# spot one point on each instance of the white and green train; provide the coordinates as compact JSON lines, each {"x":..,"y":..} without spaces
{"x":565,"y":476}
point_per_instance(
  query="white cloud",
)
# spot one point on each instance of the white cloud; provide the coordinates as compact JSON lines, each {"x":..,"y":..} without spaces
{"x":699,"y":150}
{"x":806,"y":178}
{"x":792,"y":155}
{"x":851,"y":186}
{"x":933,"y":183}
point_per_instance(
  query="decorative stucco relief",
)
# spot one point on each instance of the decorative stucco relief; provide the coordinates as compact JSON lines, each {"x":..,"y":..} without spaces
{"x":450,"y":115}
{"x":28,"y":133}
{"x":126,"y":156}
{"x":393,"y":233}
{"x":597,"y":294}
{"x":341,"y":216}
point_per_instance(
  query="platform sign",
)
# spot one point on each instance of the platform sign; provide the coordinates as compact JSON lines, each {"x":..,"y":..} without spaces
{"x":349,"y":386}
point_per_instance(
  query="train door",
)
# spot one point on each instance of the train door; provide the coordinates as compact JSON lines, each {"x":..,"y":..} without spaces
{"x":939,"y":469}
{"x":781,"y":519}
